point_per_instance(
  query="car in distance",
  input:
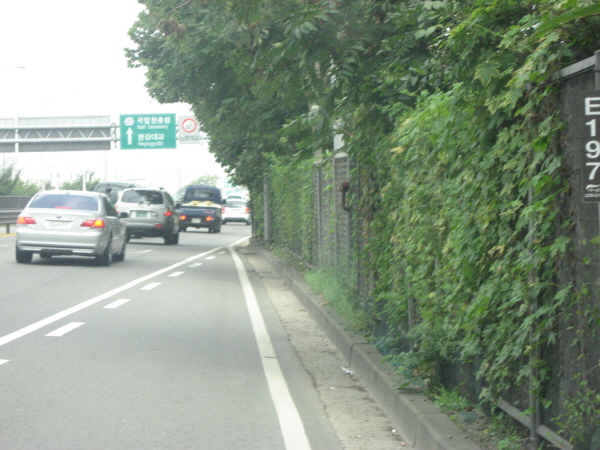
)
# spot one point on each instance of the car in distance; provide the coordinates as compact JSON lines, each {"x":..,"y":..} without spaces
{"x":79,"y":223}
{"x":149,"y":213}
{"x":235,"y":211}
{"x":113,"y":188}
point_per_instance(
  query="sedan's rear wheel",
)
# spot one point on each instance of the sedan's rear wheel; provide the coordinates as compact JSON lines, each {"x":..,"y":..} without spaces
{"x":121,"y":255}
{"x":105,"y":259}
{"x":24,"y":256}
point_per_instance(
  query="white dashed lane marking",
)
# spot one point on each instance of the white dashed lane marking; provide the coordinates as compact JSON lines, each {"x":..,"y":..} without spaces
{"x":83,"y":305}
{"x":117,"y":303}
{"x":64,"y":330}
{"x":175,"y":274}
{"x":210,"y":257}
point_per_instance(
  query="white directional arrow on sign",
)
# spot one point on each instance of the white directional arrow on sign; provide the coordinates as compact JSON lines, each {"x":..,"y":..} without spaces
{"x":129,"y":136}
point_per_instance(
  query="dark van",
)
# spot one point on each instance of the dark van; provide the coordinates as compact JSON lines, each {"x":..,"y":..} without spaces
{"x":201,"y":208}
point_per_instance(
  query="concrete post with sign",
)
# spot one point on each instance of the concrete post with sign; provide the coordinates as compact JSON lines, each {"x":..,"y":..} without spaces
{"x":580,"y":266}
{"x":148,"y":131}
{"x":580,"y":103}
{"x":189,"y":130}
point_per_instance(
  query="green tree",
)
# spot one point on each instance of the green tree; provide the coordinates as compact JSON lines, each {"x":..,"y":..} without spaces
{"x":9,"y":178}
{"x":209,"y":180}
{"x":26,"y":188}
{"x":77,"y":183}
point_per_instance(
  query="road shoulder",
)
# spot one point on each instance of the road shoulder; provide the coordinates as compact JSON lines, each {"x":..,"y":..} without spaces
{"x":357,"y":419}
{"x":357,"y":387}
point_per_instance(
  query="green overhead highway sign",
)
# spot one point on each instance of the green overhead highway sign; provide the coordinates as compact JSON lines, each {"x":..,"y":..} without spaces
{"x":148,"y":131}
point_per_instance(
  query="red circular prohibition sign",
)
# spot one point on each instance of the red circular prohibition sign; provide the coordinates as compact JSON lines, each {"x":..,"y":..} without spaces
{"x":189,"y":125}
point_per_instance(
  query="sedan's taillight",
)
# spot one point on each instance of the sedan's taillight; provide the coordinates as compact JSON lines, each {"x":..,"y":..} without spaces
{"x":247,"y":210}
{"x":25,"y":220}
{"x":93,"y":223}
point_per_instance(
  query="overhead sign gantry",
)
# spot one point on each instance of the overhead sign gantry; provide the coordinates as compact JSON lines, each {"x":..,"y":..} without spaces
{"x":136,"y":131}
{"x":38,"y":134}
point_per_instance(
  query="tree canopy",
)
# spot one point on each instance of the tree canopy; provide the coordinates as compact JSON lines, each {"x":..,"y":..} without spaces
{"x":273,"y":77}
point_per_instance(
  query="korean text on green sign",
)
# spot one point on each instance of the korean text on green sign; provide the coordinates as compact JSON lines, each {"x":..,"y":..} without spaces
{"x":148,"y":131}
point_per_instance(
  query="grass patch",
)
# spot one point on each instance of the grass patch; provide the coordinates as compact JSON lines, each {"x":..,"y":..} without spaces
{"x":339,"y":297}
{"x":490,"y":432}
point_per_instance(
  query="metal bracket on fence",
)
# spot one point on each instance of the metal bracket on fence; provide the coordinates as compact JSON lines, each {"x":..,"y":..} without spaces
{"x":344,"y":188}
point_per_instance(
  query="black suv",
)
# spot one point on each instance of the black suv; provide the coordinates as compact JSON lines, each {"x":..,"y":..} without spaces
{"x":149,"y":213}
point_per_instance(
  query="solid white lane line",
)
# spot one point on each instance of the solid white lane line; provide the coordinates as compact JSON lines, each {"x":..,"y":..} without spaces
{"x":117,"y":303}
{"x":67,"y":312}
{"x":149,"y":286}
{"x":2,"y":361}
{"x":292,"y":429}
{"x":175,"y":274}
{"x":64,"y":330}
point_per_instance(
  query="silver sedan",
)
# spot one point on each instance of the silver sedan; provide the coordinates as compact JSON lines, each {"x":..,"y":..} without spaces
{"x":79,"y":223}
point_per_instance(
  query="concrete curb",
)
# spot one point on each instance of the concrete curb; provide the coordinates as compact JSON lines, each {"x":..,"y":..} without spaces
{"x":420,"y":423}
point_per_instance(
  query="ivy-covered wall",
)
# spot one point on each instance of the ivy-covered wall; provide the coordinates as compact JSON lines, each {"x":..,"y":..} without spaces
{"x":467,"y":231}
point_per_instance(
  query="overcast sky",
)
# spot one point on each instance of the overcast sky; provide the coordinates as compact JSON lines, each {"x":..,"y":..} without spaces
{"x":72,"y":51}
{"x":74,"y":64}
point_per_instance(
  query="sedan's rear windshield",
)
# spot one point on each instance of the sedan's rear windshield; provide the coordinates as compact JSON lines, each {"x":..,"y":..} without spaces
{"x":142,"y":196}
{"x":235,"y":204}
{"x":65,"y":201}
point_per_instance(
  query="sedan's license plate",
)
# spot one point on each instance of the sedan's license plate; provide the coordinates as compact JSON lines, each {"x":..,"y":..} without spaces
{"x":56,"y":225}
{"x":141,"y":214}
{"x":196,"y":220}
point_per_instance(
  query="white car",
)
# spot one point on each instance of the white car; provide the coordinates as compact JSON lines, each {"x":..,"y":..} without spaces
{"x":235,"y":211}
{"x":79,"y":223}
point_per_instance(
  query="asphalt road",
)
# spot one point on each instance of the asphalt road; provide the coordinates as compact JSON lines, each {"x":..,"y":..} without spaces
{"x":177,"y":347}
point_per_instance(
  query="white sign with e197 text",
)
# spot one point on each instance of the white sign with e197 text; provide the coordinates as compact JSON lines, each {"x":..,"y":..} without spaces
{"x":591,"y":146}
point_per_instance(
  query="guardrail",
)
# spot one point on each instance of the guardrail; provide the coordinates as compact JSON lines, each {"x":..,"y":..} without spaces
{"x":10,"y":208}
